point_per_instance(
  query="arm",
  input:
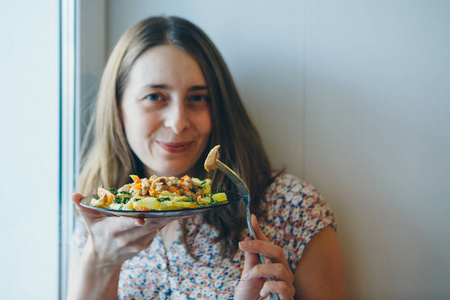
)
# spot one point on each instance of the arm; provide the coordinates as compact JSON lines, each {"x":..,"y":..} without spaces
{"x":84,"y":283}
{"x":111,"y":241}
{"x":320,"y":272}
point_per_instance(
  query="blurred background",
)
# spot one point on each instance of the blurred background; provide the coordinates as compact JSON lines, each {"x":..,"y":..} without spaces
{"x":351,"y":96}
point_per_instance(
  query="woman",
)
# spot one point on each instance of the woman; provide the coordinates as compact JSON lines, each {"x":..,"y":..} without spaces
{"x":165,"y":99}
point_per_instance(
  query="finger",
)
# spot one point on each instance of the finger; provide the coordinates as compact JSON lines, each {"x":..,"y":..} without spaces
{"x":281,"y":288}
{"x":139,"y":221}
{"x":158,"y":223}
{"x":266,"y":249}
{"x":87,"y":214}
{"x":76,"y":199}
{"x":139,"y":243}
{"x":258,"y":232}
{"x":274,"y":271}
{"x":136,"y":228}
{"x":125,"y":225}
{"x":251,"y":259}
{"x":272,"y":252}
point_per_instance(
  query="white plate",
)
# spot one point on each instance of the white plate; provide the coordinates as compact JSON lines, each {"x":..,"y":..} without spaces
{"x":232,"y":198}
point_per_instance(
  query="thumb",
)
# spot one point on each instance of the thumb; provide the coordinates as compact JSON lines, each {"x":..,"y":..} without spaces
{"x":258,"y":232}
{"x":76,"y":198}
{"x":87,"y":214}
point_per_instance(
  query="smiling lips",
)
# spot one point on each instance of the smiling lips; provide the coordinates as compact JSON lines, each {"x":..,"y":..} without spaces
{"x":175,"y":147}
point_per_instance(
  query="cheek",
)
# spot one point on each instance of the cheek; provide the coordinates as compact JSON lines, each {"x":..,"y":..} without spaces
{"x":140,"y":125}
{"x":204,"y":123}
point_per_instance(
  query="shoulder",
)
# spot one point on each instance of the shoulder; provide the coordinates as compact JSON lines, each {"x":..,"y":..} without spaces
{"x":288,"y":183}
{"x":293,"y":212}
{"x":288,"y":191}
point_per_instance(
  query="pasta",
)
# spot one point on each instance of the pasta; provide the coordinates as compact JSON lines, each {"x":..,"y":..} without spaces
{"x":159,"y":193}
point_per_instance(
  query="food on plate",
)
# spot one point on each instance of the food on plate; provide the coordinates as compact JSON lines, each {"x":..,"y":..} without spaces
{"x":210,"y":161}
{"x":159,"y":193}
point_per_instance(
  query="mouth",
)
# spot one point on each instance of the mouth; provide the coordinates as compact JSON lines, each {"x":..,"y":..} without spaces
{"x":175,"y":147}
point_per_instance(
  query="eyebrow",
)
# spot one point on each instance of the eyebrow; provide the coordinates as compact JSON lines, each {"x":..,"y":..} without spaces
{"x":198,"y":88}
{"x":164,"y":86}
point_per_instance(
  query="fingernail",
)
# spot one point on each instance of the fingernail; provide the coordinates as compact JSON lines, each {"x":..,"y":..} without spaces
{"x":255,"y":221}
{"x":246,"y":276}
{"x":243,"y":245}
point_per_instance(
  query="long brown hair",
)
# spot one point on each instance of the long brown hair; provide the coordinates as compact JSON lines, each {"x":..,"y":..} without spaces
{"x":107,"y":158}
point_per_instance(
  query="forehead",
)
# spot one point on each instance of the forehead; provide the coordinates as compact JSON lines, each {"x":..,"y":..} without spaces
{"x":166,"y":64}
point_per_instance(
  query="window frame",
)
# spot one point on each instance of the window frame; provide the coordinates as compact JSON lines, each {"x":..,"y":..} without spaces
{"x":69,"y":133}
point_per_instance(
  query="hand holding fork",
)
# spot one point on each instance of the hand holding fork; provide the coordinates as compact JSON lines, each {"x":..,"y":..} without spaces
{"x":282,"y":283}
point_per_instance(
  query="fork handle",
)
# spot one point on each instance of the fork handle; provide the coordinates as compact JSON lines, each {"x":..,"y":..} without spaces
{"x":243,"y":190}
{"x":274,"y":296}
{"x":262,"y":260}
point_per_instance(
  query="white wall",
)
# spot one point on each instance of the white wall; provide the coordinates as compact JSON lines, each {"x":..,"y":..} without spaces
{"x":355,"y":98}
{"x":29,"y":152}
{"x":377,"y":139}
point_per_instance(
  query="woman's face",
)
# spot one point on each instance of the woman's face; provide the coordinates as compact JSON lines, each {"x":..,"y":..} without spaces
{"x":165,"y":111}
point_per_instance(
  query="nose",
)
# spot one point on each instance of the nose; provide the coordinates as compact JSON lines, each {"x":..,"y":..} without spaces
{"x":176,"y":117}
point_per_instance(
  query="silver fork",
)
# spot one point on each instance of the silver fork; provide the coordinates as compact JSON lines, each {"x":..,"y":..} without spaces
{"x":245,"y":195}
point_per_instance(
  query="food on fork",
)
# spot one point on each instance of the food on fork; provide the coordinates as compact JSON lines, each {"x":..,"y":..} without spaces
{"x":159,"y":193}
{"x":210,"y":162}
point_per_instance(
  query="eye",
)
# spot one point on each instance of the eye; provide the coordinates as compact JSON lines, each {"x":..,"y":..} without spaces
{"x":199,"y":100}
{"x":153,"y":97}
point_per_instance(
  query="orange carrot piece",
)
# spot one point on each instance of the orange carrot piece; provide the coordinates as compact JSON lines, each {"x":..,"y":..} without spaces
{"x":102,"y":192}
{"x":135,"y":178}
{"x":173,"y":191}
{"x":141,"y":208}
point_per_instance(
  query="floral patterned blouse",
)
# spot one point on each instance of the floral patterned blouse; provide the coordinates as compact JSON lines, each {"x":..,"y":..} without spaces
{"x":294,"y":212}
